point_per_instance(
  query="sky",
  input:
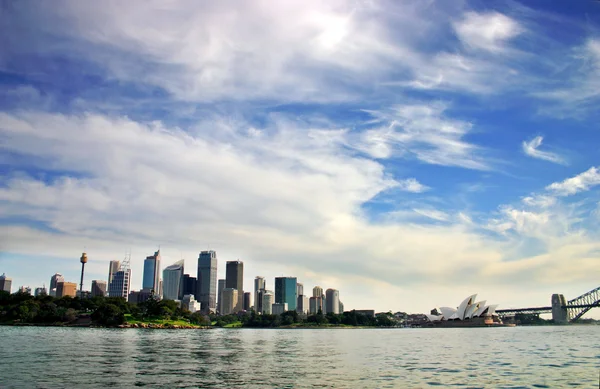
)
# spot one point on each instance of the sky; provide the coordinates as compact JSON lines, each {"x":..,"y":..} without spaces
{"x":407,"y":153}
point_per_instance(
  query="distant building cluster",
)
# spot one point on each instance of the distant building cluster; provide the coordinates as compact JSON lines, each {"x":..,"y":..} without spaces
{"x":204,"y":293}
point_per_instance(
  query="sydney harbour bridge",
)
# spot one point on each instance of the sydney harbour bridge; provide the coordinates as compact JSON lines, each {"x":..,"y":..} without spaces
{"x":562,"y":311}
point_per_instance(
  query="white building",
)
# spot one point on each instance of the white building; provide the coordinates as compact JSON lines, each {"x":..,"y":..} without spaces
{"x":190,"y":303}
{"x":268,"y":300}
{"x":332,"y":301}
{"x":172,"y":282}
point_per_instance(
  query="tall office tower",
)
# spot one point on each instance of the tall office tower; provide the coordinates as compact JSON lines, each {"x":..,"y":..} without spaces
{"x":285,"y":292}
{"x":279,"y":308}
{"x":299,"y":289}
{"x":152,"y":272}
{"x":25,"y":289}
{"x":172,"y":288}
{"x":317,"y":291}
{"x":66,"y":289}
{"x":341,"y":307}
{"x":5,"y":283}
{"x":54,"y":280}
{"x":189,"y":285}
{"x":247,"y":301}
{"x":267,"y":303}
{"x":234,"y":278}
{"x":83,"y":261}
{"x":259,"y":284}
{"x":98,"y":288}
{"x":207,"y":280}
{"x":40,"y":291}
{"x":332,"y":301}
{"x":220,"y":295}
{"x":113,"y":267}
{"x":315,"y":304}
{"x":258,"y":301}
{"x":302,"y":305}
{"x":121,"y":282}
{"x":230,"y":300}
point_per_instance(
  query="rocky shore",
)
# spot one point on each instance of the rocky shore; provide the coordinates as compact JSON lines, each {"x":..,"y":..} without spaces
{"x":163,"y":326}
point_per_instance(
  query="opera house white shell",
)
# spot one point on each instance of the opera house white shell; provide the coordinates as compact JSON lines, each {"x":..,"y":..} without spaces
{"x":468,"y":309}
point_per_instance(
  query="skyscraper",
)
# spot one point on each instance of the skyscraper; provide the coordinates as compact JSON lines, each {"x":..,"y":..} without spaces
{"x":220,"y":295}
{"x":54,"y":280}
{"x":5,"y":283}
{"x":285,"y":292}
{"x":113,"y":267}
{"x":317,"y":291}
{"x":267,"y":303}
{"x":302,"y":306}
{"x":207,"y":280}
{"x":230,"y":299}
{"x":234,"y":278}
{"x":172,"y":288}
{"x":152,"y":272}
{"x":121,"y":282}
{"x":259,"y":286}
{"x":332,"y":301}
{"x":190,"y":285}
{"x":316,"y":304}
{"x":247,"y":301}
{"x":98,"y":288}
{"x":299,"y":289}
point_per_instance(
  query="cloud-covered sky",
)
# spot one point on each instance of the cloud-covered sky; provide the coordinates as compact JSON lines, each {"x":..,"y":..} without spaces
{"x":408,"y":153}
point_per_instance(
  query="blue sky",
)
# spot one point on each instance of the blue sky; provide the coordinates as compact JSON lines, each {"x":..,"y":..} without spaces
{"x":407,"y":153}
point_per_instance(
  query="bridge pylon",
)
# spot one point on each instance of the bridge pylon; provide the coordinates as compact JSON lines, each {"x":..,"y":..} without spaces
{"x":560,"y":314}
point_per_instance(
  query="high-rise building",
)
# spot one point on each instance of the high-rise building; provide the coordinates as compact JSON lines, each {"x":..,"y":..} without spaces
{"x":234,"y":278}
{"x":315,"y":304}
{"x":317,"y":291}
{"x":25,"y":289}
{"x":139,"y":296}
{"x":332,"y":301}
{"x":247,"y":301}
{"x":230,"y":300}
{"x":152,"y":272}
{"x":121,"y":282}
{"x":54,"y":280}
{"x":299,"y":289}
{"x":98,"y":288}
{"x":113,"y":267}
{"x":5,"y":283}
{"x":302,"y":305}
{"x":341,"y":310}
{"x":220,"y":288}
{"x":259,"y":286}
{"x":267,"y":303}
{"x":285,"y":291}
{"x":189,"y":285}
{"x":64,"y":289}
{"x":172,"y":288}
{"x":279,"y":308}
{"x":207,"y":280}
{"x":41,"y":291}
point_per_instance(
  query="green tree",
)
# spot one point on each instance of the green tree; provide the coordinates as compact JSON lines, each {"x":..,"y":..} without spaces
{"x":109,"y":315}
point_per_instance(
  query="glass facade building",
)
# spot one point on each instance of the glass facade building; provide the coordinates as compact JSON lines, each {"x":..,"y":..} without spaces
{"x":285,"y":292}
{"x":207,"y":280}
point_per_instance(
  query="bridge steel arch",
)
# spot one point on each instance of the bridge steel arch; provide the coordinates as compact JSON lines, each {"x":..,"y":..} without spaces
{"x":579,"y":306}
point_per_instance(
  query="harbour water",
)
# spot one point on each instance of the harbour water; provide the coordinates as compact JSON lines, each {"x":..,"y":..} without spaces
{"x":521,"y":357}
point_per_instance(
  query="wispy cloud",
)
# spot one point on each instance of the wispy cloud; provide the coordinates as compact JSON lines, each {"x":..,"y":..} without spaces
{"x":531,"y":148}
{"x":412,"y":185}
{"x":579,"y":183}
{"x":487,"y":31}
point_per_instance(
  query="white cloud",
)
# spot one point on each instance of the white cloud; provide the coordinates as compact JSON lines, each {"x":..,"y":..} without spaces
{"x":487,"y":31}
{"x":581,"y":182}
{"x":531,"y":148}
{"x":412,"y":185}
{"x":424,"y":132}
{"x":432,"y":214}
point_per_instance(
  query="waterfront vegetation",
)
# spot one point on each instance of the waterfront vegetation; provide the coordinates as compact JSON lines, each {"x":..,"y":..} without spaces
{"x":22,"y":308}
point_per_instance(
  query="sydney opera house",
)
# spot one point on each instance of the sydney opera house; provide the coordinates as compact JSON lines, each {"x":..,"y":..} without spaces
{"x":468,"y":314}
